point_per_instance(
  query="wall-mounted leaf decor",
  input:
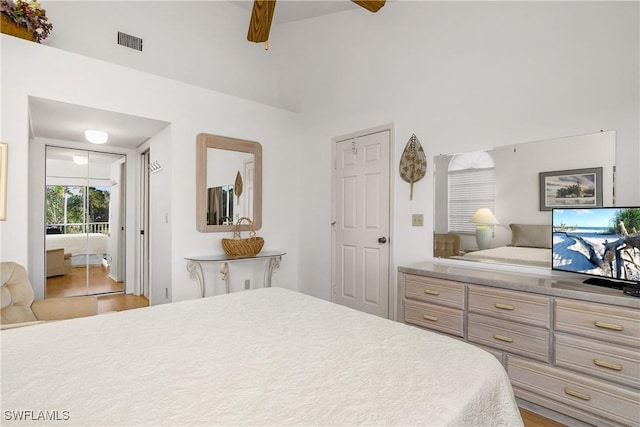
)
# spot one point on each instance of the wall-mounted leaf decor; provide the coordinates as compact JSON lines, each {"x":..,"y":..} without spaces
{"x":237,"y":187}
{"x":413,"y":163}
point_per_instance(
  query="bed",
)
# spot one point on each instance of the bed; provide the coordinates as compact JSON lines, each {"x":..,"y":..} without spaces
{"x":260,"y":357}
{"x":79,"y":244}
{"x":530,"y":246}
{"x":537,"y":257}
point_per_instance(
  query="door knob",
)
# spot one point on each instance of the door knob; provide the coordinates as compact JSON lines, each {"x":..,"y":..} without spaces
{"x":382,"y":239}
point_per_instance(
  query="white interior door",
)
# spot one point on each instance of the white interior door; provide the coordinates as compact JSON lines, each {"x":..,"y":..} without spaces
{"x":246,"y":205}
{"x":361,"y":225}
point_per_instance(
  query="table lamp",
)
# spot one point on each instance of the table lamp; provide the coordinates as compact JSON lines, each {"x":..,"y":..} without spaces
{"x":484,"y":218}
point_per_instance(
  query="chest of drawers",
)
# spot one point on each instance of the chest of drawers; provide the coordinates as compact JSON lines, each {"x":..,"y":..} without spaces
{"x":569,"y":356}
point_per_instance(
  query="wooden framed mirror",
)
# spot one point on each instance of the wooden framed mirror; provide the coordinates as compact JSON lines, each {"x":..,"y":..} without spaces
{"x":228,"y":183}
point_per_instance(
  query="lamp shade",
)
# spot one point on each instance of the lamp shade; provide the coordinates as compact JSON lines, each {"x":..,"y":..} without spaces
{"x":484,"y":216}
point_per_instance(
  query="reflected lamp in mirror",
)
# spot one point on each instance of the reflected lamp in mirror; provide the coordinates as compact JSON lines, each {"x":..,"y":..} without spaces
{"x":228,"y":183}
{"x":485,"y":219}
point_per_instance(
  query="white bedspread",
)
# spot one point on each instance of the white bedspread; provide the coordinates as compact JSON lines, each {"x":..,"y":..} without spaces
{"x":539,"y":257}
{"x":261,"y":357}
{"x":79,"y":244}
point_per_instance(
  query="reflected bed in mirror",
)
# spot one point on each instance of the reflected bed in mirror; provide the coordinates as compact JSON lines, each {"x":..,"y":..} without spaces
{"x":507,"y":181}
{"x":228,"y":183}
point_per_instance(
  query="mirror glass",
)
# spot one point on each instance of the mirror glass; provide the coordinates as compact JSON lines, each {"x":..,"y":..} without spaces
{"x":85,"y":213}
{"x":514,"y":173}
{"x":229,"y":183}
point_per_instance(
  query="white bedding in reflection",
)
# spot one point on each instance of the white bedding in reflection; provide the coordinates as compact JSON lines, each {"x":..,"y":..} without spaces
{"x":538,"y":257}
{"x":79,"y":244}
{"x":260,"y":357}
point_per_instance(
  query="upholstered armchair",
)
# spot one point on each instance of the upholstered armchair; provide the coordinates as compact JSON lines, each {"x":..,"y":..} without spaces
{"x":18,"y":307}
{"x":446,"y":245}
{"x":58,"y":263}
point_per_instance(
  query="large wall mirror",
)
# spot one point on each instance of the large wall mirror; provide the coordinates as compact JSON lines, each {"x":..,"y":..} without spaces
{"x":228,"y":183}
{"x":515,"y":171}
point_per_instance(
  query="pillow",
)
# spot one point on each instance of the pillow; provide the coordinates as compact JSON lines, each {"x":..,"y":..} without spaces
{"x":531,"y":235}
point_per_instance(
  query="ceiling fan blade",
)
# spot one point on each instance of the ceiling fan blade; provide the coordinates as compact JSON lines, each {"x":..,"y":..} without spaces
{"x":370,"y":5}
{"x":260,"y":24}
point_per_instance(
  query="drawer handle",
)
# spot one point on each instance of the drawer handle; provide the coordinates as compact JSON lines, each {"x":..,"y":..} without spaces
{"x":577,"y":394}
{"x":606,"y":325}
{"x":608,"y":365}
{"x":432,"y":318}
{"x":503,"y":306}
{"x":430,"y":292}
{"x":502,"y":338}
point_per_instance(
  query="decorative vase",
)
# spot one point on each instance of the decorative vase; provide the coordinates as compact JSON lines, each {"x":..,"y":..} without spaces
{"x":8,"y":26}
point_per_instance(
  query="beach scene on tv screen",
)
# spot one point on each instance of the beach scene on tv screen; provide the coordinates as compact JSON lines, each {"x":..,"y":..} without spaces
{"x":599,"y":241}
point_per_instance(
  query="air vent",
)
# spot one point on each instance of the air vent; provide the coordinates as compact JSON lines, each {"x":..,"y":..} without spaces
{"x":127,"y":40}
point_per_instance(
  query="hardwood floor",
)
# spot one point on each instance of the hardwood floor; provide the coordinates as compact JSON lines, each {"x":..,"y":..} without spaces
{"x":74,"y":283}
{"x":119,"y":302}
{"x":531,"y":419}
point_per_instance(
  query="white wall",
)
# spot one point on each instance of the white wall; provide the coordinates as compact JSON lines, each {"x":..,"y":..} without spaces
{"x":517,"y":176}
{"x":461,"y":76}
{"x":161,"y":218}
{"x":31,"y":69}
{"x":201,"y":42}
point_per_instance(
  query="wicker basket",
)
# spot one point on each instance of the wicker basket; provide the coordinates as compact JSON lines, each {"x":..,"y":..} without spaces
{"x":8,"y":26}
{"x":239,"y":247}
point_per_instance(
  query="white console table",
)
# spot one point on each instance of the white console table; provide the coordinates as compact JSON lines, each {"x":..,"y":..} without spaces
{"x":194,"y":266}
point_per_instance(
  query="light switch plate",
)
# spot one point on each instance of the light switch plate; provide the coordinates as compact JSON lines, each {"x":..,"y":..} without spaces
{"x":417,"y":220}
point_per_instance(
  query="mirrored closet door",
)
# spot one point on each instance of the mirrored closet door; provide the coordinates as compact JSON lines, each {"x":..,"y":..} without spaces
{"x":85,"y":217}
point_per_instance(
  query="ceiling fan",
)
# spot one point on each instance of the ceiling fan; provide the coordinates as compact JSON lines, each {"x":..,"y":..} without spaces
{"x":262,"y":15}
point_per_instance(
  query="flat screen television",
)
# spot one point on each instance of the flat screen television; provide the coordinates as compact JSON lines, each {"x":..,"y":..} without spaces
{"x":602,"y":242}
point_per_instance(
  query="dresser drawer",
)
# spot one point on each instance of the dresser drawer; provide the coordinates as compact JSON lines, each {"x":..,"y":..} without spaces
{"x":437,"y":291}
{"x":513,"y":337}
{"x":595,"y":358}
{"x":443,"y":319}
{"x":590,"y":400}
{"x":509,"y":305}
{"x":616,"y":324}
{"x":495,"y":353}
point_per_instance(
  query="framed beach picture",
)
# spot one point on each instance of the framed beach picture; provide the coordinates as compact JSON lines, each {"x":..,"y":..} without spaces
{"x":576,"y":188}
{"x":3,"y":181}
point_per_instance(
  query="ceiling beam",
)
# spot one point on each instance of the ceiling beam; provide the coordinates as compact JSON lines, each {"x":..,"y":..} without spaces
{"x":261,"y":17}
{"x":370,"y":5}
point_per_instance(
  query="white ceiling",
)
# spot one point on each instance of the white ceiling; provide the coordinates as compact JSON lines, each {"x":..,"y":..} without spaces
{"x":67,"y":122}
{"x":297,"y":10}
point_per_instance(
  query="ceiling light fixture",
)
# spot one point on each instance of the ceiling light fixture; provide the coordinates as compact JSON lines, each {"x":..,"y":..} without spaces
{"x":80,"y":160}
{"x":96,"y":136}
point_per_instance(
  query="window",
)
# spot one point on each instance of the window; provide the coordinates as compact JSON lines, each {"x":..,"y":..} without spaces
{"x":66,"y":206}
{"x":471,"y":180}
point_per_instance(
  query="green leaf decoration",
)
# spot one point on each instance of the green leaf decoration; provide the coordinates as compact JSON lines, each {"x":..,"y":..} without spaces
{"x":413,"y":163}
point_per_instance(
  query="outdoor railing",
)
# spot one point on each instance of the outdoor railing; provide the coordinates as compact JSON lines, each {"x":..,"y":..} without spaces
{"x":89,"y":227}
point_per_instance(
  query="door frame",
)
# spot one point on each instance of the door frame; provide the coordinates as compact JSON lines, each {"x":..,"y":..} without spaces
{"x":143,"y":224}
{"x":392,"y":247}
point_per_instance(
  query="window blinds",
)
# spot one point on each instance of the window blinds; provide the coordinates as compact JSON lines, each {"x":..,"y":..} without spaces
{"x":469,"y":190}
